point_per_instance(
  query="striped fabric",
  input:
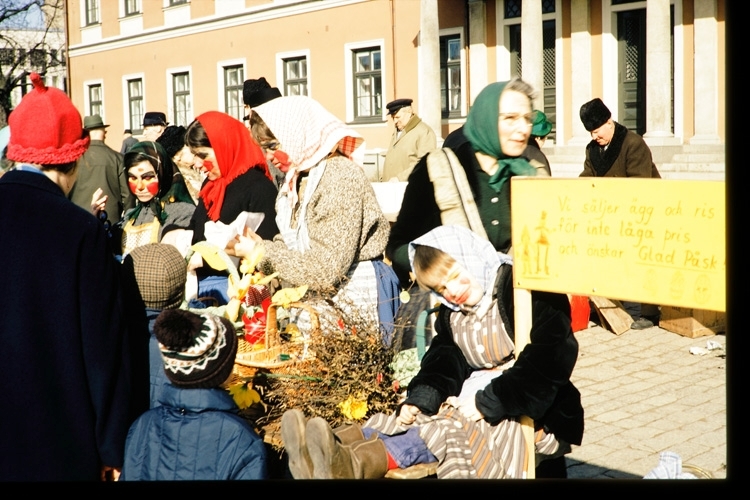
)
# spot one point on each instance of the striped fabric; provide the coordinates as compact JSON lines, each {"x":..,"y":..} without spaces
{"x":484,"y":342}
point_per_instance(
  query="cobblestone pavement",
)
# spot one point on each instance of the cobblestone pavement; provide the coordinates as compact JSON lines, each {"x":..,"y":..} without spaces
{"x":643,"y":392}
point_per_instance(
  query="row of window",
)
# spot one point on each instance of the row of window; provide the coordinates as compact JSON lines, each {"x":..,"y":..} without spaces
{"x":92,"y":9}
{"x":367,"y":75}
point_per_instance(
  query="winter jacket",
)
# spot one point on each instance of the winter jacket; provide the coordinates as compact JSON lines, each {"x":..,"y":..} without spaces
{"x":627,"y":155}
{"x":537,"y":385}
{"x":405,"y":150}
{"x":194,"y":435}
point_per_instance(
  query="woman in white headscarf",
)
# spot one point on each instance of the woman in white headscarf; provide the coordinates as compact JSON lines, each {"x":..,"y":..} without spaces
{"x":332,"y":229}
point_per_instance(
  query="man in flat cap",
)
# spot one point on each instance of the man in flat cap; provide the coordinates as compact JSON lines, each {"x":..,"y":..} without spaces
{"x":411,"y":140}
{"x":154,"y":123}
{"x":615,"y":151}
{"x":101,"y":167}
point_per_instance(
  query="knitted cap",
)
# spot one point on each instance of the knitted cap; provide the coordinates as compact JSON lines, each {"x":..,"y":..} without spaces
{"x":198,"y":350}
{"x":594,"y":114}
{"x":257,"y":92}
{"x":46,"y":127}
{"x":161,"y":272}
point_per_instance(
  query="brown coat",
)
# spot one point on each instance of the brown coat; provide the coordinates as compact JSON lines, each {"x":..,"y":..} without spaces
{"x":628,"y":155}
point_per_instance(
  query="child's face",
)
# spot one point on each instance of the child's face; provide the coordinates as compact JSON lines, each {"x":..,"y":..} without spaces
{"x":460,"y":287}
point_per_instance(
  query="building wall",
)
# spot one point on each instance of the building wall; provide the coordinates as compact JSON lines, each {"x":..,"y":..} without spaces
{"x":203,"y":35}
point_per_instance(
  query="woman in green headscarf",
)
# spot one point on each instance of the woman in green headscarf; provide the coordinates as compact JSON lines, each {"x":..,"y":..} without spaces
{"x":163,"y":201}
{"x":481,"y":157}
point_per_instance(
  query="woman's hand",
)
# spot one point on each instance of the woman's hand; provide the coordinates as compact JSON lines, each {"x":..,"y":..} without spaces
{"x":408,"y":414}
{"x":98,"y":202}
{"x":195,"y":262}
{"x":241,"y":246}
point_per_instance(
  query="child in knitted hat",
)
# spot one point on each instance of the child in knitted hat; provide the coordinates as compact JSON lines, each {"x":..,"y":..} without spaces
{"x":196,"y":434}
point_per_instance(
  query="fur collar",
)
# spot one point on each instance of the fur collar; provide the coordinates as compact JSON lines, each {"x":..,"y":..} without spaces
{"x":601,"y":160}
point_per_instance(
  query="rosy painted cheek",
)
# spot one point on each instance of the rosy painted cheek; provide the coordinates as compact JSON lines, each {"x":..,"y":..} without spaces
{"x":133,"y":187}
{"x":153,"y":188}
{"x":208,"y":165}
{"x":281,"y":160}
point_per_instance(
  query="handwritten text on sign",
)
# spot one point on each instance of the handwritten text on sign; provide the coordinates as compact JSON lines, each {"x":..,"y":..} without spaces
{"x":649,"y":240}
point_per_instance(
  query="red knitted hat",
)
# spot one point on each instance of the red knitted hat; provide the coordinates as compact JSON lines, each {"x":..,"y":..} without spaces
{"x":46,"y":127}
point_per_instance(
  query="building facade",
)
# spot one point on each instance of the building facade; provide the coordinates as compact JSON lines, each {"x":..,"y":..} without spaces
{"x":658,"y":64}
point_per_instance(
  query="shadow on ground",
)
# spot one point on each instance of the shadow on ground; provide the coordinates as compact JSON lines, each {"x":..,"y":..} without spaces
{"x":583,"y":470}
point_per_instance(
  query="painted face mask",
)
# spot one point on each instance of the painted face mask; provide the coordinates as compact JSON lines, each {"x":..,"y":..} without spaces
{"x":143,"y":181}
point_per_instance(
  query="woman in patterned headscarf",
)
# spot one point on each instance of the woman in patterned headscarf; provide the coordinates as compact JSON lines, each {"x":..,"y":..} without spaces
{"x":332,"y":229}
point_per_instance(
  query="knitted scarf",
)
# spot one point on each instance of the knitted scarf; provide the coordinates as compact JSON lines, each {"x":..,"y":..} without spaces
{"x":236,"y":153}
{"x":482,"y":130}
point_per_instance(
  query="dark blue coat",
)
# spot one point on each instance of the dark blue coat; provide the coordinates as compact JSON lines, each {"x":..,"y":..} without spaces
{"x":194,"y":435}
{"x":64,"y":376}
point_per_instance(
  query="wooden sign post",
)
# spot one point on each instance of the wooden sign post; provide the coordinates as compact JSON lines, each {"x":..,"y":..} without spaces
{"x":644,"y":240}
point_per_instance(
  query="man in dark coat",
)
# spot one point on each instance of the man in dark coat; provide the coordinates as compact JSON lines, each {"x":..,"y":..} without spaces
{"x":65,"y":375}
{"x":615,"y":151}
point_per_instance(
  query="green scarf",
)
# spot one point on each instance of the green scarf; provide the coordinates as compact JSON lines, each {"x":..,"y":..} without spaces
{"x":481,"y":128}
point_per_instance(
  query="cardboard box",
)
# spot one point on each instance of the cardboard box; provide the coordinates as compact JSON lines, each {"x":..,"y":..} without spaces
{"x":692,"y":323}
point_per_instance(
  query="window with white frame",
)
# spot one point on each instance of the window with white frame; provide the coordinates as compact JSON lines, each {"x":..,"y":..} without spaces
{"x":132,"y":7}
{"x":135,"y":105}
{"x":450,"y":75}
{"x":181,"y":98}
{"x":234,"y":77}
{"x":91,"y":8}
{"x":177,"y":2}
{"x":368,"y":84}
{"x":95,"y":99}
{"x":295,"y":76}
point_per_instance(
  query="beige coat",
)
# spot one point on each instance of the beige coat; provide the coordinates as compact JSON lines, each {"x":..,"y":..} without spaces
{"x":404,"y":152}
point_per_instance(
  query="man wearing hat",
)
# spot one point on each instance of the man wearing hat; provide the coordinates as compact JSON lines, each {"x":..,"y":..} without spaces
{"x":411,"y":140}
{"x":65,"y":376}
{"x":101,"y":167}
{"x":154,"y":123}
{"x":615,"y":151}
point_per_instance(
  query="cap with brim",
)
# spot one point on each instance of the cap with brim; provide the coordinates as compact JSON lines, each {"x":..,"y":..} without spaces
{"x":394,"y":106}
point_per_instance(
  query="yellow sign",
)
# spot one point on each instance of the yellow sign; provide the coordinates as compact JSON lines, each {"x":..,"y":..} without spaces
{"x":648,"y":240}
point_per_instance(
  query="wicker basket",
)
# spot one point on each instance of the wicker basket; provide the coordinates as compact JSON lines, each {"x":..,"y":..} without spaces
{"x":274,"y":354}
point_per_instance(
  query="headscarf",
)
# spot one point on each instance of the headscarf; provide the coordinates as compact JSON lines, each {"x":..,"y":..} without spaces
{"x":171,"y":188}
{"x":472,"y":252}
{"x":236,"y":153}
{"x":481,"y":128}
{"x":308,"y":133}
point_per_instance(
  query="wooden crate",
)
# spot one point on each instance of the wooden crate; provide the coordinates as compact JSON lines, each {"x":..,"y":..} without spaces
{"x":692,"y":323}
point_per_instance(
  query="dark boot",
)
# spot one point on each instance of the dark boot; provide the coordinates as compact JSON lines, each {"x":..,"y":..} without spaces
{"x":333,"y":460}
{"x":293,"y":436}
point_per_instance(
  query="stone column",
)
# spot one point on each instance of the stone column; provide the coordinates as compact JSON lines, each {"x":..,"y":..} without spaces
{"x":581,"y":79}
{"x":429,"y":105}
{"x":532,"y":48}
{"x":477,"y":48}
{"x":706,"y":77}
{"x":658,"y":74}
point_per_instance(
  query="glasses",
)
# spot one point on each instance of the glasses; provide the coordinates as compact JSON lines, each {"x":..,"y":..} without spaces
{"x":512,"y":119}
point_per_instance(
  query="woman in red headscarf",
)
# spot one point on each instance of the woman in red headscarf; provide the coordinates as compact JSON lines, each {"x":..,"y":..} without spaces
{"x":237,"y":180}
